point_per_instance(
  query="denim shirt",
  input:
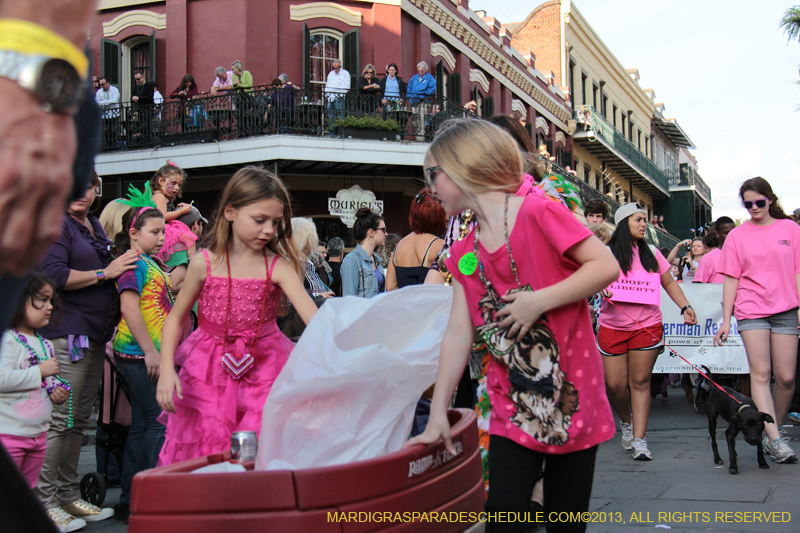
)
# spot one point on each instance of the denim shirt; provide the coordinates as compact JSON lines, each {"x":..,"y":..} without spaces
{"x":358,"y":276}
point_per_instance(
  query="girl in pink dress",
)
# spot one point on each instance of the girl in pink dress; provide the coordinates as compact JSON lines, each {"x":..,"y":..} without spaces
{"x":179,"y":240}
{"x":242,"y":281}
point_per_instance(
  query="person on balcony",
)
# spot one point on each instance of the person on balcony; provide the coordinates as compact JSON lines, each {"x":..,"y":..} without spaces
{"x":223,"y":81}
{"x":143,"y":93}
{"x":369,"y":90}
{"x":472,"y":107}
{"x":107,"y":97}
{"x":421,"y":90}
{"x":393,"y":88}
{"x":219,"y":109}
{"x":243,"y":85}
{"x":190,"y":114}
{"x":337,"y":85}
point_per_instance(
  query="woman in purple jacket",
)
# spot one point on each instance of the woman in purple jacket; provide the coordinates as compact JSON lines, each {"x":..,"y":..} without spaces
{"x":82,"y":266}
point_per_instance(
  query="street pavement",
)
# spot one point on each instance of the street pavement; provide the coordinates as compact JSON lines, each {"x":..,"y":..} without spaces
{"x":680,"y":489}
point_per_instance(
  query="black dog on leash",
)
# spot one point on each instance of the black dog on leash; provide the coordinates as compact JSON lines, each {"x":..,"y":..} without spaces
{"x":741,"y":415}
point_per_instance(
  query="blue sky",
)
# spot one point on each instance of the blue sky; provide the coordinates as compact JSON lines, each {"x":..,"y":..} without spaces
{"x":724,"y":70}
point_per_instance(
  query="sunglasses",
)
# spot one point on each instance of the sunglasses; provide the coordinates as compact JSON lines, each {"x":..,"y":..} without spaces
{"x":430,"y":174}
{"x":758,"y":203}
{"x":383,"y":229}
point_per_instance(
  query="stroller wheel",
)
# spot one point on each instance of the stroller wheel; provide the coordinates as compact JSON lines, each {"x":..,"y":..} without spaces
{"x":93,"y":488}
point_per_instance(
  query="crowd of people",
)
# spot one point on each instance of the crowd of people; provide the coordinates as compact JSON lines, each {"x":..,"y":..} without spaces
{"x":231,"y":103}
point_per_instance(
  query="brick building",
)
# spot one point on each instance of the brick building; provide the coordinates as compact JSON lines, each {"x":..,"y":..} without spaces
{"x":470,"y":56}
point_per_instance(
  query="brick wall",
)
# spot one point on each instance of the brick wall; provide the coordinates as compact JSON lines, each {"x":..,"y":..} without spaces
{"x":541,"y":33}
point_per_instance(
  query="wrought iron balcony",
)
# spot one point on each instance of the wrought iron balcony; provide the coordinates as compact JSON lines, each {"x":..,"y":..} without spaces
{"x":602,"y":139}
{"x":690,"y":178}
{"x":289,"y":111}
{"x":655,"y":236}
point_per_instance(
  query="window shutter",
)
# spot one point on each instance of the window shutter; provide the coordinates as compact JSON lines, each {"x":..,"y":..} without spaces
{"x":152,"y":76}
{"x":440,"y":79}
{"x":351,"y":59}
{"x":488,"y":107}
{"x":529,"y":129}
{"x":566,"y":159}
{"x":454,"y":88}
{"x":306,"y":65}
{"x":110,"y":64}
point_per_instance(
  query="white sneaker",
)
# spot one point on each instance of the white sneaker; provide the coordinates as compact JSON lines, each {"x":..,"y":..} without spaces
{"x":781,"y":452}
{"x":87,"y":511}
{"x":627,"y":436}
{"x":64,"y":521}
{"x":640,"y":451}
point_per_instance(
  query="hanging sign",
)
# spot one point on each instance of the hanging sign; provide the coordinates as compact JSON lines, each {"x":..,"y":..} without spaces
{"x":348,"y":201}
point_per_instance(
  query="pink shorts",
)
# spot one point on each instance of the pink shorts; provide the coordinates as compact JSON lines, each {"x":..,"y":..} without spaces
{"x":28,"y":453}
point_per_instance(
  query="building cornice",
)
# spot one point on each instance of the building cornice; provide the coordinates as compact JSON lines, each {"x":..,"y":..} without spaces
{"x":325,"y":10}
{"x":450,"y":27}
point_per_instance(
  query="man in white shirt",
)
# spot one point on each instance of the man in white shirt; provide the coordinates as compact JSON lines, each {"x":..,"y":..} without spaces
{"x":107,"y":98}
{"x":337,"y":85}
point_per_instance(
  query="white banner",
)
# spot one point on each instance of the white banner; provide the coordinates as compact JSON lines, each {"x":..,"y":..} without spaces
{"x":696,"y":343}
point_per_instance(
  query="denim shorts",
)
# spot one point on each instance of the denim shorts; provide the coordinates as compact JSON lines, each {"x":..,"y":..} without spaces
{"x":781,"y":323}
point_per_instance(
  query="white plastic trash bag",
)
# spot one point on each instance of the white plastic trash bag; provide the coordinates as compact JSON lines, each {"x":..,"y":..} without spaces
{"x":350,"y":387}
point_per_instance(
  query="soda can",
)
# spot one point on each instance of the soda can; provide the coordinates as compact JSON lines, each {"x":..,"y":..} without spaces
{"x":244,"y":445}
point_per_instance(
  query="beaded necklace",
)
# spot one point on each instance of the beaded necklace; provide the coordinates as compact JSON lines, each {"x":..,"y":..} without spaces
{"x":486,"y":283}
{"x":35,"y":359}
{"x":233,"y":366}
{"x":151,"y":265}
{"x":463,"y":229}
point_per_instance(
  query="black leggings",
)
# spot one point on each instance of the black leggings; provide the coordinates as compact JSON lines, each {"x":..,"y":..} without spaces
{"x":513,"y":471}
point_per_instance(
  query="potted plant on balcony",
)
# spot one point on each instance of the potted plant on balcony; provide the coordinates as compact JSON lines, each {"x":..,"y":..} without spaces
{"x":366,"y":127}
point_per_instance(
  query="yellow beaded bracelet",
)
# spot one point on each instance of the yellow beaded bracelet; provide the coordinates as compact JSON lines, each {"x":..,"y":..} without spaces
{"x":29,"y":38}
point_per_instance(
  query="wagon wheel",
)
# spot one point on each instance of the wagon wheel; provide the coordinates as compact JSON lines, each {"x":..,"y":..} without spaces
{"x":93,"y":488}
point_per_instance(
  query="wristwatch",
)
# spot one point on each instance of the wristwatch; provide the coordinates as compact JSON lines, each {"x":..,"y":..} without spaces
{"x":54,"y":82}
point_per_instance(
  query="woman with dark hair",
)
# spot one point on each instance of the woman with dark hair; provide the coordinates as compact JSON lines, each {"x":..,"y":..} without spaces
{"x":362,"y":274}
{"x":189,"y":113}
{"x":761,"y":263}
{"x":416,"y":252}
{"x":630,"y":334}
{"x":186,"y":90}
{"x":82,"y":268}
{"x":393,"y":88}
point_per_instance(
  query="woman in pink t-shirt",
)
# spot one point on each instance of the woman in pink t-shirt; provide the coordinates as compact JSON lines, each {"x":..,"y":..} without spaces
{"x":630,"y":334}
{"x":521,"y":277}
{"x":761,"y":263}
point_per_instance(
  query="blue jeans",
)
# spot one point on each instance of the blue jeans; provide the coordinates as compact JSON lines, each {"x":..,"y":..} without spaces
{"x":146,"y":435}
{"x":335,"y":111}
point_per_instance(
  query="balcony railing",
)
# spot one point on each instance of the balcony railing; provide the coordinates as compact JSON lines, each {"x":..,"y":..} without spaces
{"x":690,"y":178}
{"x":591,"y":120}
{"x":654,"y":235}
{"x":587,"y":192}
{"x":290,"y":110}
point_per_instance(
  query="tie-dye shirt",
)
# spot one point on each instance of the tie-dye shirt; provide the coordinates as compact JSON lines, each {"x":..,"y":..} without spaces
{"x":155,"y":302}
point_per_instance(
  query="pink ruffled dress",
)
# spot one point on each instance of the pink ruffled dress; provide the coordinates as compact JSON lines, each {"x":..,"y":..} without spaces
{"x":214,"y":404}
{"x":177,"y":237}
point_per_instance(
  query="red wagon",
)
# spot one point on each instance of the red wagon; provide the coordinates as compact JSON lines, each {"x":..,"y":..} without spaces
{"x":387,"y":494}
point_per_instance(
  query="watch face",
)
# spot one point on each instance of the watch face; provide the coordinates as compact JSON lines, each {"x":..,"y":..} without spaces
{"x":59,"y":87}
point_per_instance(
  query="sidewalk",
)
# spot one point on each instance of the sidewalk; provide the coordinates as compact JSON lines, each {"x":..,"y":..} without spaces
{"x":681,"y":480}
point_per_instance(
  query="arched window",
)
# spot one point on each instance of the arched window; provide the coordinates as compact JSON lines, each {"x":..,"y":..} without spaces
{"x":324,"y":45}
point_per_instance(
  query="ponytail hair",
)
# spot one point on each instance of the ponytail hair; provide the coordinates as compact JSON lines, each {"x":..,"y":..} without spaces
{"x":366,"y":219}
{"x":134,"y":218}
{"x":762,"y":187}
